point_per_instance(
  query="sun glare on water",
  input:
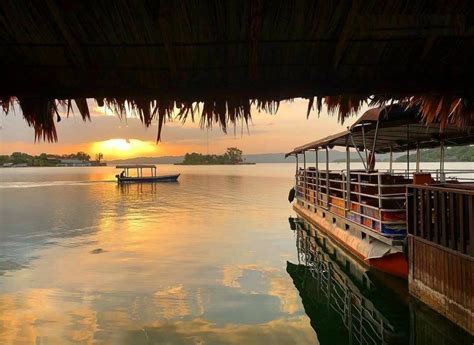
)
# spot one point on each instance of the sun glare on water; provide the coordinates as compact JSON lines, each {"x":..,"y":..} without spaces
{"x":122,"y":148}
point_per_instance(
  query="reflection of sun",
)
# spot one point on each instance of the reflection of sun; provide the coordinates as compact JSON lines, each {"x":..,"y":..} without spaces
{"x":124,"y":147}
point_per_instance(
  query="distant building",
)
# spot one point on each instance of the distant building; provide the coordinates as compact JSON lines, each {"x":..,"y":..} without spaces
{"x":73,"y":163}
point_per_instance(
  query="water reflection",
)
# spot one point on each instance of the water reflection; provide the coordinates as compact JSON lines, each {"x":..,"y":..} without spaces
{"x":348,"y":304}
{"x":200,"y":261}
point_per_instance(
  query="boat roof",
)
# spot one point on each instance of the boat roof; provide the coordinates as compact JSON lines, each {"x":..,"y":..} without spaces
{"x":399,"y":129}
{"x":134,"y":166}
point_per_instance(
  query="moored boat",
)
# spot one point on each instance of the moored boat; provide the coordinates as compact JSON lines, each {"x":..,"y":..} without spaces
{"x":364,"y":210}
{"x":126,"y":175}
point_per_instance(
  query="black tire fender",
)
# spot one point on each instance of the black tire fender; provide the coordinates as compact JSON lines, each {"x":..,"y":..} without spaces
{"x":291,"y":194}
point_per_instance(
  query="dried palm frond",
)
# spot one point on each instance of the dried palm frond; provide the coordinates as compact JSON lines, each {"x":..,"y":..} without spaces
{"x":40,"y":113}
{"x":81,"y":104}
{"x":444,"y":109}
{"x":319,"y":105}
{"x":344,"y":105}
{"x":6,"y":103}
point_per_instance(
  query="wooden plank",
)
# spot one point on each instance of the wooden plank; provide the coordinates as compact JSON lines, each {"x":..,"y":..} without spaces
{"x":436,"y":216}
{"x":443,"y":271}
{"x":462,"y":229}
{"x":409,"y":212}
{"x":420,"y":215}
{"x":452,"y":223}
{"x":412,"y":257}
{"x":470,"y":211}
{"x":427,"y":213}
{"x":414,"y":211}
{"x":444,"y":237}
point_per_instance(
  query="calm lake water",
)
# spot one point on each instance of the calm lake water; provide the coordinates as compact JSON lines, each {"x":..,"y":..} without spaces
{"x":208,"y":260}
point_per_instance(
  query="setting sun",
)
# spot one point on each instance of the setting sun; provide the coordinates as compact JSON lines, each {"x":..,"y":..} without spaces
{"x":121,"y":148}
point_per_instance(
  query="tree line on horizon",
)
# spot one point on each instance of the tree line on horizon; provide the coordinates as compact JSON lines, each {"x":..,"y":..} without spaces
{"x":45,"y":159}
{"x":452,"y":154}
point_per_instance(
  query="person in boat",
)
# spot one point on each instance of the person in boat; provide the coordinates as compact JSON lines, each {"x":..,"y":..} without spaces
{"x":122,"y":174}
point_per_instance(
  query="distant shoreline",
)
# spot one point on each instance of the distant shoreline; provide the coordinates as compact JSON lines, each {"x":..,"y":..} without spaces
{"x":250,"y":163}
{"x":54,"y":166}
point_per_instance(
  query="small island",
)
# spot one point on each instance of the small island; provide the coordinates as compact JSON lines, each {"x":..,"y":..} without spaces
{"x":232,"y":156}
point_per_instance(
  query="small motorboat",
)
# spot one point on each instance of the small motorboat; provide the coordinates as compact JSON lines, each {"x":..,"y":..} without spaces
{"x":126,"y":177}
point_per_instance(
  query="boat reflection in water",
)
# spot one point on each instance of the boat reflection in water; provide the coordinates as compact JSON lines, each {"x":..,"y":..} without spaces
{"x":348,"y":304}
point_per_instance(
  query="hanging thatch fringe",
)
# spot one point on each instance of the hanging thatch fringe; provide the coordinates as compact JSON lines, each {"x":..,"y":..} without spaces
{"x":40,"y":113}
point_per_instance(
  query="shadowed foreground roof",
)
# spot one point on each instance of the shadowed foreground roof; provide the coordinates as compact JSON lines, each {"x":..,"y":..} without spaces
{"x":228,"y":55}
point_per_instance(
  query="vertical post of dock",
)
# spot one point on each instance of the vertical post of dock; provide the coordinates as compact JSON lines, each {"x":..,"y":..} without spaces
{"x":442,"y":176}
{"x":304,"y":172}
{"x":418,"y":154}
{"x":296,"y":174}
{"x":408,"y":151}
{"x":327,"y":177}
{"x":379,"y":185}
{"x":317,"y":178}
{"x":391,"y":160}
{"x":348,"y":178}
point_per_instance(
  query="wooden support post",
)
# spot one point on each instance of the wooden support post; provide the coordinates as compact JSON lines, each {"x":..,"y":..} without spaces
{"x":436,"y":220}
{"x":418,"y":158}
{"x":348,"y":178}
{"x":442,"y":176}
{"x":461,"y":224}
{"x":444,"y":220}
{"x":317,"y":178}
{"x":327,"y":177}
{"x":470,"y":217}
{"x":453,"y":242}
{"x":391,"y":160}
{"x":296,"y":174}
{"x":304,"y":176}
{"x":379,"y":188}
{"x":415,"y":211}
{"x":408,"y":151}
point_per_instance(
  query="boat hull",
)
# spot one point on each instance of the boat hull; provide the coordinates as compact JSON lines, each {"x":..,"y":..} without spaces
{"x":371,"y":252}
{"x":148,"y":179}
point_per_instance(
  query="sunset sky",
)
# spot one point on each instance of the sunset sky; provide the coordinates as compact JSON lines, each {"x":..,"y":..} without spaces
{"x":116,"y":138}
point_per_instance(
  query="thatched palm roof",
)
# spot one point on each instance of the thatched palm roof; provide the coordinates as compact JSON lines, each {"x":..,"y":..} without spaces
{"x":159,"y":55}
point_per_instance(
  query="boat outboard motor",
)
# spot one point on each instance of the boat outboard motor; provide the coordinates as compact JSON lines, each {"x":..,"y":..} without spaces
{"x":291,"y":195}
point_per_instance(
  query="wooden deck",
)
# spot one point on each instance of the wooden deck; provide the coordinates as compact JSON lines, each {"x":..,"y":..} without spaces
{"x":441,"y":249}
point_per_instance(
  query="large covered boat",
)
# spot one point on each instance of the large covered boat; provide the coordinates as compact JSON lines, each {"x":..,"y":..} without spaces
{"x":365,"y":210}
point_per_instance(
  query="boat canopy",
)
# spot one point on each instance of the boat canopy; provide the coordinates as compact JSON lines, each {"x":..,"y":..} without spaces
{"x":393,"y":128}
{"x":135,"y":166}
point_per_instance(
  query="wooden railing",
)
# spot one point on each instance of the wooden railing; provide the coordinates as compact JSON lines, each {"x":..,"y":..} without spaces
{"x":442,"y":214}
{"x":376,"y":201}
